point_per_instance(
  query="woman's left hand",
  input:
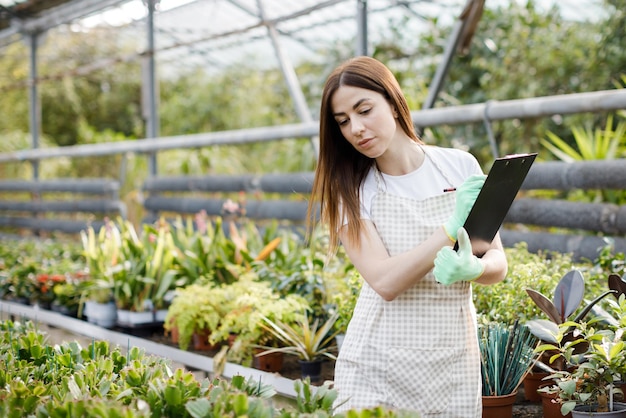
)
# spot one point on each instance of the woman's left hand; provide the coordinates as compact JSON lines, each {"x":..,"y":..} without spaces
{"x":455,"y":266}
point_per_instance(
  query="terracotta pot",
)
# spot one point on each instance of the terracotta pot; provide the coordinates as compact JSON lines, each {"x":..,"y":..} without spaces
{"x":272,"y":362}
{"x":174,"y":335}
{"x":200,"y":341}
{"x":551,"y":409}
{"x":532,"y":382}
{"x":499,"y":406}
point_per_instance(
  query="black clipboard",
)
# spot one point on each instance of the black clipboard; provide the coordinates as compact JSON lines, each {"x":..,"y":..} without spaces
{"x":495,"y":199}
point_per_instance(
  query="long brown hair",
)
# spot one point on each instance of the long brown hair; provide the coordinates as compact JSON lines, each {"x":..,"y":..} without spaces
{"x":340,"y":168}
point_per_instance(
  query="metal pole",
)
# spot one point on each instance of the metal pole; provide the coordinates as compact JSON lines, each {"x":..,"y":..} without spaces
{"x":34,"y":105}
{"x":444,"y":65}
{"x":290,"y":76}
{"x":152,"y":126}
{"x":361,"y":34}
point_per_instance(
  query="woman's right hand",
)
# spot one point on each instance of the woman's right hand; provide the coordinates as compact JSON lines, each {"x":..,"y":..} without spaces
{"x":465,"y":197}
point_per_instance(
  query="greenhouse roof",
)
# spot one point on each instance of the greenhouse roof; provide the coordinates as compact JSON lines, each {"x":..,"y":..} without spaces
{"x":206,"y":32}
{"x":218,"y":33}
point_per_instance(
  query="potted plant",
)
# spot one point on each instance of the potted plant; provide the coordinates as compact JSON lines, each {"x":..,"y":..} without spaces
{"x":507,"y":353}
{"x":248,"y":302}
{"x":568,"y":296}
{"x":160,"y":254}
{"x":589,"y":388}
{"x":195,"y":312}
{"x":67,"y":296}
{"x":100,"y":251}
{"x":310,"y":341}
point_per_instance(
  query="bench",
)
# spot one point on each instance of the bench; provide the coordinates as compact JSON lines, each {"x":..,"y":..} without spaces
{"x":65,"y":205}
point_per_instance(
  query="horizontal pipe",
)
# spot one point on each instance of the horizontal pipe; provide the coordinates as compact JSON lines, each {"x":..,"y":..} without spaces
{"x":266,"y":209}
{"x":599,"y":217}
{"x":149,"y":145}
{"x":270,"y":183}
{"x":536,"y":107}
{"x":582,"y":247}
{"x":585,"y":175}
{"x":86,"y":186}
{"x":597,"y":101}
{"x":95,"y":206}
{"x":61,"y":225}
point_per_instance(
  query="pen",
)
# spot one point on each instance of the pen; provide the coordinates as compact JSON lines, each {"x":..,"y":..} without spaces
{"x":451,"y":189}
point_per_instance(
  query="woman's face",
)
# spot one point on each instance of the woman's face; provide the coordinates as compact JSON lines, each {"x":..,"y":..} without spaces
{"x":365,"y":118}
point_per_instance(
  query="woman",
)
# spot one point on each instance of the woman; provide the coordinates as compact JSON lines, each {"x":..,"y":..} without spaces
{"x":397,"y":205}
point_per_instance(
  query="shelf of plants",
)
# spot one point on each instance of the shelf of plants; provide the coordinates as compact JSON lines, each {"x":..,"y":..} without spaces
{"x":282,"y":385}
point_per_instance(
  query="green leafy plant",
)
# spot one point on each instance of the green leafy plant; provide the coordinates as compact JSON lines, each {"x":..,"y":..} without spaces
{"x":568,"y":295}
{"x":507,"y":353}
{"x":305,"y":339}
{"x":194,"y":308}
{"x":245,"y":303}
{"x":597,"y":144}
{"x":540,"y":271}
{"x":344,"y":298}
{"x":596,"y":368}
{"x":99,"y":380}
{"x":591,"y":144}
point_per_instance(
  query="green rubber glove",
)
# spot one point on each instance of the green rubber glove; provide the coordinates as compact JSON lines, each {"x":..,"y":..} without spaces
{"x":455,"y":266}
{"x":465,"y":197}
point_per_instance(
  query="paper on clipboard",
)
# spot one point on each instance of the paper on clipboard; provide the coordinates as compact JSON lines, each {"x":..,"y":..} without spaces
{"x":495,"y":199}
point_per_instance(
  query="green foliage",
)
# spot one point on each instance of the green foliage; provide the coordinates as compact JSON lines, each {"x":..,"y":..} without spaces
{"x":194,"y":308}
{"x":305,"y":338}
{"x":507,"y":353}
{"x":344,"y":296}
{"x":506,"y":302}
{"x":246,"y":304}
{"x":520,"y":51}
{"x":597,"y":144}
{"x":99,"y":381}
{"x":595,"y":359}
{"x":606,"y":142}
{"x":304,"y":268}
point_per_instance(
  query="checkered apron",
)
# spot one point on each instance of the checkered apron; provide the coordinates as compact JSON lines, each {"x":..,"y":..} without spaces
{"x":420,"y":351}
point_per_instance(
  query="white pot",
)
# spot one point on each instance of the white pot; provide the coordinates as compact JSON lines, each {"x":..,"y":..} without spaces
{"x":122,"y":316}
{"x":160,"y":314}
{"x":87,"y":309}
{"x":102,"y":314}
{"x":136,"y":318}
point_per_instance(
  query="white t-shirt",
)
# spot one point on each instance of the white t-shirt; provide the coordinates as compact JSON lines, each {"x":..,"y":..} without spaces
{"x":425,"y":182}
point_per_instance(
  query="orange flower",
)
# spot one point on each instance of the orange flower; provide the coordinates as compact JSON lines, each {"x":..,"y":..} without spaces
{"x":57,"y":278}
